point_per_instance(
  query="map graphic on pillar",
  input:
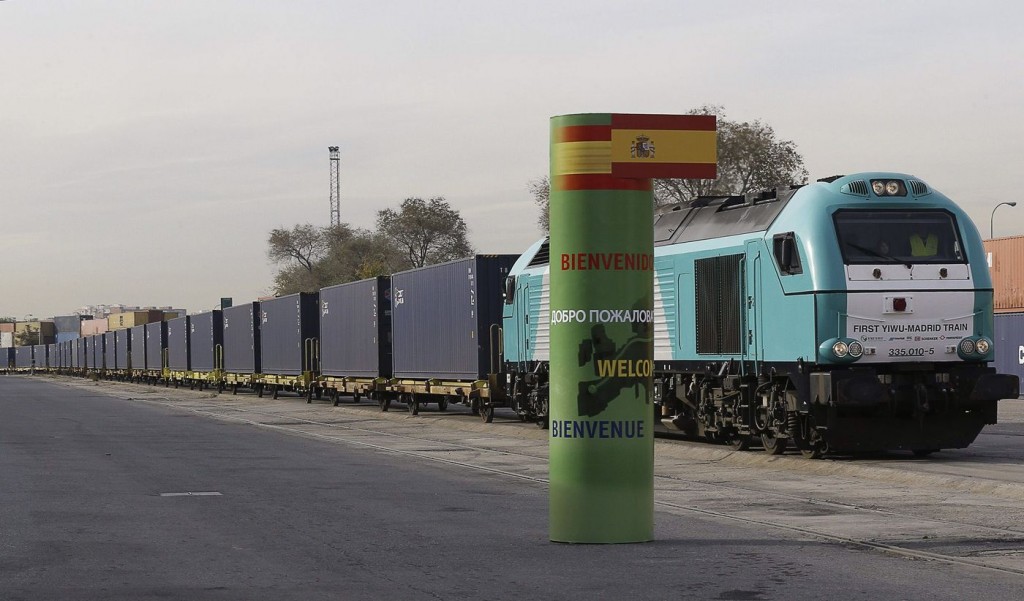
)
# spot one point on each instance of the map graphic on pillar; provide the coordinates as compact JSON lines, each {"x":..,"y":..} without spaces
{"x":616,"y":367}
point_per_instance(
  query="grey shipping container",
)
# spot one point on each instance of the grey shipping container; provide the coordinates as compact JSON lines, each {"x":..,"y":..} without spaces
{"x":205,"y":340}
{"x":137,"y":349}
{"x":156,"y":342}
{"x":89,"y":352}
{"x":177,"y":344}
{"x":76,"y":353}
{"x":51,"y":355}
{"x":68,"y":323}
{"x":23,"y":357}
{"x":109,"y":350}
{"x":1009,"y":343}
{"x":355,"y":329}
{"x":6,"y":357}
{"x":242,"y":339}
{"x":288,"y":326}
{"x":122,"y":346}
{"x":442,"y":315}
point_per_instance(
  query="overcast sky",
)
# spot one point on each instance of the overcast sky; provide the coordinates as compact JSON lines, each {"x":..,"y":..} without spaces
{"x":147,"y":148}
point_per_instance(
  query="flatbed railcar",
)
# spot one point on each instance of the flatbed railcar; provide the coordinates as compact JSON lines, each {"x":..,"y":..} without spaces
{"x":806,"y":316}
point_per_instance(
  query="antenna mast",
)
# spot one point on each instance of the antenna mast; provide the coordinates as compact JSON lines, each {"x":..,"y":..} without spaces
{"x":335,"y":186}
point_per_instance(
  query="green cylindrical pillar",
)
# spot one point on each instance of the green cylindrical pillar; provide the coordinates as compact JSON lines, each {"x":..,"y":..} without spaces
{"x":602,"y":301}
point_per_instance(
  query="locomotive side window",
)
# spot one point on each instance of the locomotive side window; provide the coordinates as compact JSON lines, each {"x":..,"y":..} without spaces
{"x":786,"y":255}
{"x":880,"y":237}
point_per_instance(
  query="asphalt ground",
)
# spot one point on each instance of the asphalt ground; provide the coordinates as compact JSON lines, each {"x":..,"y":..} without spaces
{"x":296,"y":501}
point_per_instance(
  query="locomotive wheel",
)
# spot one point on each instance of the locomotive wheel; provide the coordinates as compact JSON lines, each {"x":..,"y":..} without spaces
{"x":542,"y":422}
{"x":486,"y":411}
{"x":443,"y":403}
{"x":737,"y":441}
{"x":774,"y":445}
{"x":813,"y":452}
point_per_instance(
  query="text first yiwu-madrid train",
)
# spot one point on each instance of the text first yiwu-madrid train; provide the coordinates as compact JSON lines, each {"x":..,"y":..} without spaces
{"x":849,"y":315}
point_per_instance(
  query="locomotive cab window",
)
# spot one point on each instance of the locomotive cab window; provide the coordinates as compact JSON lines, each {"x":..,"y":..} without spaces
{"x":880,"y":237}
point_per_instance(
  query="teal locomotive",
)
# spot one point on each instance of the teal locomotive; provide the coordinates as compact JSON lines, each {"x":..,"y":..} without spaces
{"x":850,"y":315}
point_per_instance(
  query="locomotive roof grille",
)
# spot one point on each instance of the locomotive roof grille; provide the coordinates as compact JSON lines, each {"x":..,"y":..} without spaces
{"x":858,"y":187}
{"x":919,"y":188}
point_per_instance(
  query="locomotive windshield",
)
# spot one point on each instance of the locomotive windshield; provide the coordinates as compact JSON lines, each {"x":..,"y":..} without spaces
{"x":873,"y":237}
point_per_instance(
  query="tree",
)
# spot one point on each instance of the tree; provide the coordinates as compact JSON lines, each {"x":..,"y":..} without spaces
{"x":27,"y":337}
{"x":750,"y":158}
{"x":426,"y":232}
{"x":418,"y":233}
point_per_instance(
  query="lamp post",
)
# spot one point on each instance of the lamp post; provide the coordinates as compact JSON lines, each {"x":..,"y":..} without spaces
{"x":991,"y":221}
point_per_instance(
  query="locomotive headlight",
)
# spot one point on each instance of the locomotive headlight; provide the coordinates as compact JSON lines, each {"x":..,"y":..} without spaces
{"x":840,"y":349}
{"x":878,"y":187}
{"x":967,"y":346}
{"x":892,"y":188}
{"x":856,"y":349}
{"x":983,"y":346}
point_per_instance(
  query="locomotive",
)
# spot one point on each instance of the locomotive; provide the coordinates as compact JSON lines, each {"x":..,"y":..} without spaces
{"x":850,"y":315}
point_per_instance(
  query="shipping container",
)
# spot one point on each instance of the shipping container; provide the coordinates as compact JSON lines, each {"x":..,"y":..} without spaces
{"x":110,"y":349}
{"x":77,"y":353}
{"x":23,"y":357}
{"x":1006,"y":264}
{"x":206,"y":340}
{"x":68,"y":323}
{"x":177,"y":344}
{"x":39,"y":355}
{"x":122,"y":349}
{"x":137,"y":347}
{"x":51,"y":355}
{"x":289,"y":326}
{"x":6,"y":358}
{"x":1009,"y":343}
{"x":156,"y":345}
{"x":242,"y":339}
{"x":130,"y":319}
{"x":355,"y":329}
{"x":441,"y":318}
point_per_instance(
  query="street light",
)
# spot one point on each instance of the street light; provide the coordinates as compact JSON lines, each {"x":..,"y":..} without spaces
{"x":991,"y":220}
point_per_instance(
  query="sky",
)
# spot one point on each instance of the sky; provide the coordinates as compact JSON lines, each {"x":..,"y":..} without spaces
{"x":148,"y":148}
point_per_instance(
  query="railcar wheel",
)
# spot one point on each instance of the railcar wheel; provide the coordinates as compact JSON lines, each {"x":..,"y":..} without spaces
{"x":335,"y":396}
{"x":737,"y":441}
{"x":384,"y":402}
{"x":486,"y":411}
{"x":542,"y":422}
{"x":309,"y":395}
{"x":413,"y":402}
{"x":234,"y":389}
{"x":924,"y":452}
{"x":774,"y":445}
{"x":442,"y":404}
{"x":259,"y":390}
{"x":813,"y":451}
{"x":356,"y":397}
{"x":273,"y":389}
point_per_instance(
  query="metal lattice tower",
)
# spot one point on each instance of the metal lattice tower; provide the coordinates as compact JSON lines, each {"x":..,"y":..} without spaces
{"x":335,"y":186}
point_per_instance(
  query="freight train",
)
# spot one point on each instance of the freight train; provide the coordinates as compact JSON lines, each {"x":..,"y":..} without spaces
{"x":850,"y":315}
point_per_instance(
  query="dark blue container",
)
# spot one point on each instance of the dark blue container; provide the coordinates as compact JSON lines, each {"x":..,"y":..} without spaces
{"x":1009,"y":343}
{"x":122,"y":349}
{"x":205,"y":340}
{"x":177,"y":344}
{"x":442,"y":317}
{"x":109,"y":350}
{"x":289,"y":325}
{"x":156,"y":345}
{"x":23,"y":357}
{"x":355,"y":329}
{"x":242,"y":339}
{"x":137,"y":346}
